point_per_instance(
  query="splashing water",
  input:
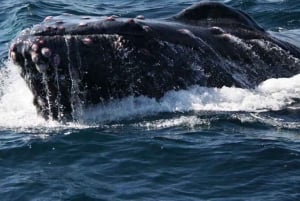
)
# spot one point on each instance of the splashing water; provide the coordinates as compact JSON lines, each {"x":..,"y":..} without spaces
{"x":16,"y":104}
{"x":18,"y":111}
{"x":273,"y":94}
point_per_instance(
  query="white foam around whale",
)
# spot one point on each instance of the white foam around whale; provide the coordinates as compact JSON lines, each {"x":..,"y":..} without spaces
{"x":16,"y":104}
{"x":17,"y":110}
{"x":273,"y":94}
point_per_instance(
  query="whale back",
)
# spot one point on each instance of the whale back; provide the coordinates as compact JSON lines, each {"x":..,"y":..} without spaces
{"x":214,"y":14}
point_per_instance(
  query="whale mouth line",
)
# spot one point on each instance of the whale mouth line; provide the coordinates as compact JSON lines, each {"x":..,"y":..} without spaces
{"x":108,"y":33}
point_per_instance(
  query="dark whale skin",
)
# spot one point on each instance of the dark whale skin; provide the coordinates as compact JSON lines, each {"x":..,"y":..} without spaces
{"x":71,"y":62}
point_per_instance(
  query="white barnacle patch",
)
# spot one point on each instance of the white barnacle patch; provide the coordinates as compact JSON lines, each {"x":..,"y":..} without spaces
{"x":227,"y":36}
{"x":19,"y":40}
{"x":24,"y":49}
{"x":41,"y":41}
{"x":274,"y":49}
{"x":236,"y":40}
{"x":12,"y":55}
{"x":35,"y":57}
{"x":26,"y":44}
{"x":140,"y":17}
{"x":217,"y":30}
{"x":25,"y":31}
{"x":260,"y":43}
{"x":110,"y":18}
{"x":36,"y":27}
{"x":46,"y":52}
{"x":146,"y":28}
{"x":186,"y":32}
{"x":48,"y":18}
{"x":82,"y":24}
{"x":35,"y":47}
{"x":12,"y":46}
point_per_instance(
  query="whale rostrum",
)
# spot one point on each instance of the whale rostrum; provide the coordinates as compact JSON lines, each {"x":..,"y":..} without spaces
{"x":70,"y":62}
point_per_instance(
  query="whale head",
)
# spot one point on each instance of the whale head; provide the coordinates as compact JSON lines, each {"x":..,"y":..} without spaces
{"x":71,"y":61}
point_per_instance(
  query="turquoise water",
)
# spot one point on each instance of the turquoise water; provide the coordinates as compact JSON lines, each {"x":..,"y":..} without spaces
{"x":195,"y":144}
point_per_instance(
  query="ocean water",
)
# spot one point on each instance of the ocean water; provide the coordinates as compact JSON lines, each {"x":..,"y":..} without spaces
{"x":195,"y":144}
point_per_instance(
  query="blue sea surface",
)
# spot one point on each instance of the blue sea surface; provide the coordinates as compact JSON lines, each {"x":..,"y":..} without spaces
{"x":195,"y":144}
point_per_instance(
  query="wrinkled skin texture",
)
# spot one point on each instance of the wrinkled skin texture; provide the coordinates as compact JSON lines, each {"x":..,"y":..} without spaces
{"x":75,"y":61}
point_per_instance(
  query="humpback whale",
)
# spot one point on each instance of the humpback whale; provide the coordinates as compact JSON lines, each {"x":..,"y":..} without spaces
{"x":73,"y":61}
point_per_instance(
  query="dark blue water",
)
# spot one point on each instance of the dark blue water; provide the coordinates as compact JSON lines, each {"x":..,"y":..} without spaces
{"x":197,"y":144}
